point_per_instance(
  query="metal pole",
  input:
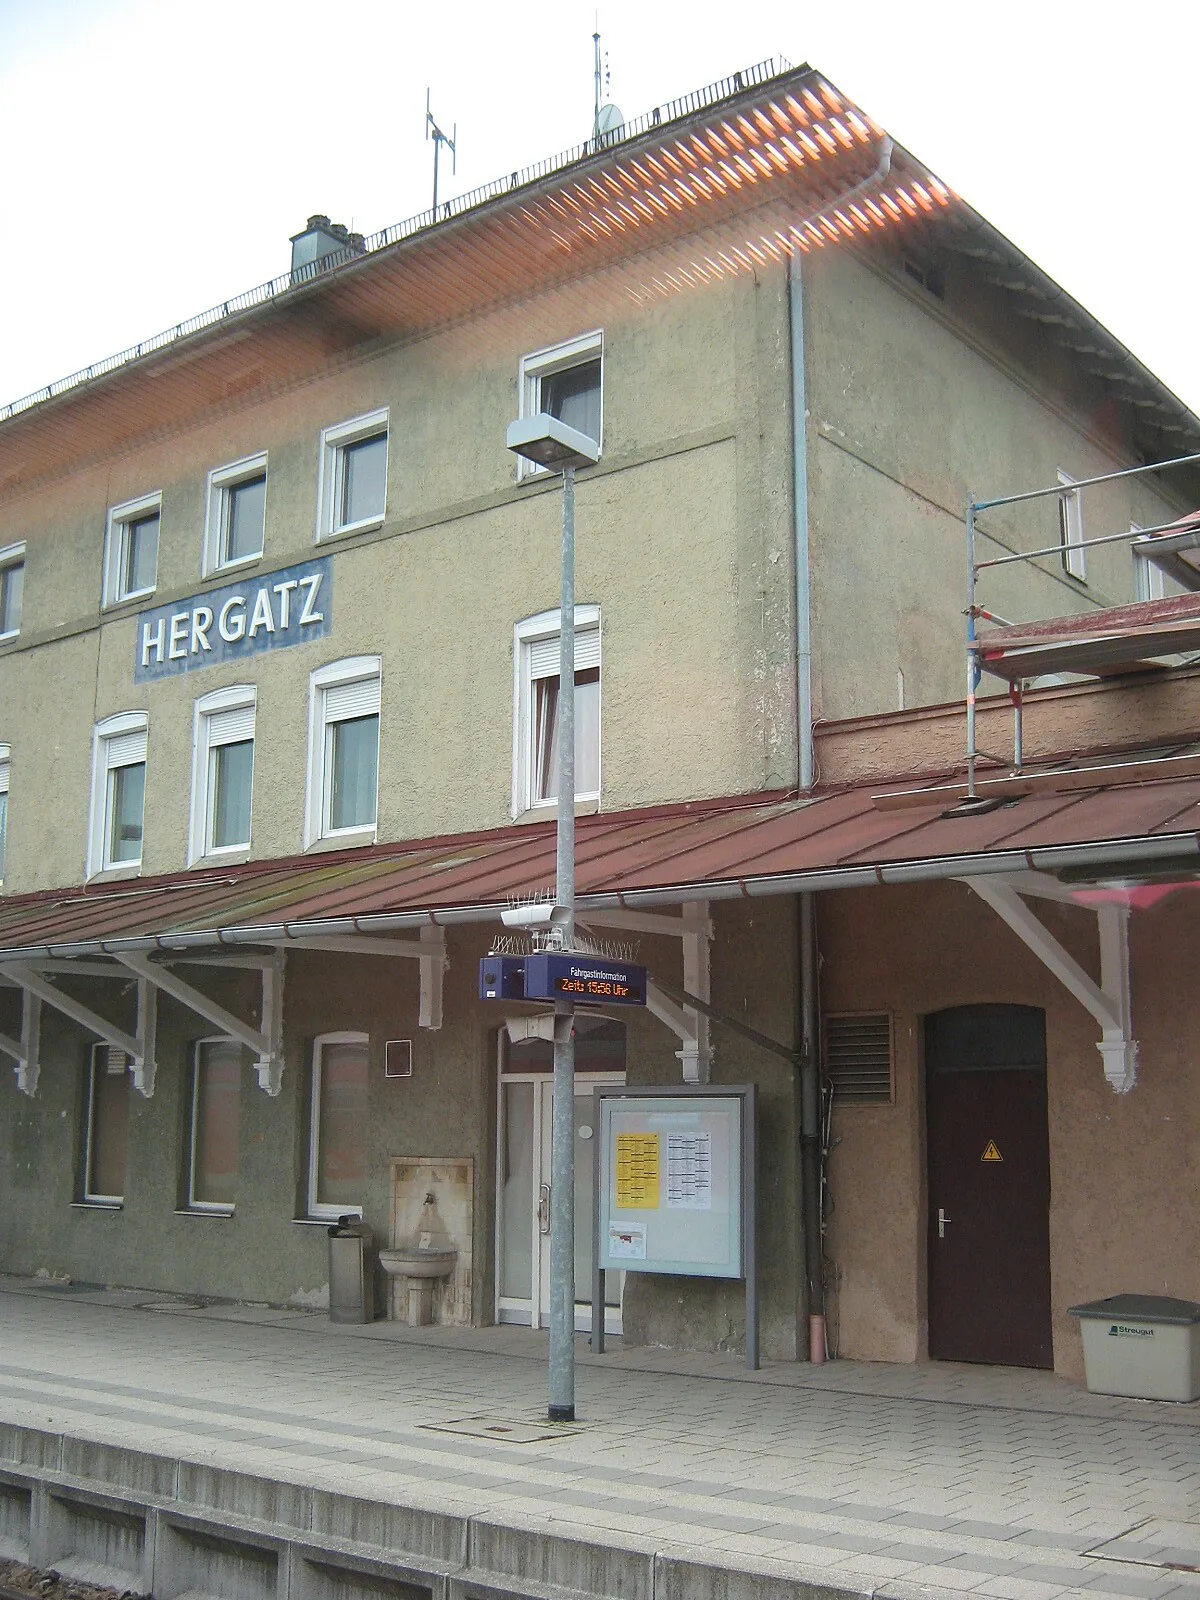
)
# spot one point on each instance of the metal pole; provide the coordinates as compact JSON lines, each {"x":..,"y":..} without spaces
{"x":562,"y":1142}
{"x":972,"y":653}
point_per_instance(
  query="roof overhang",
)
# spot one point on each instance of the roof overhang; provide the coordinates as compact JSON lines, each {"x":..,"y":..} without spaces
{"x":1123,"y":829}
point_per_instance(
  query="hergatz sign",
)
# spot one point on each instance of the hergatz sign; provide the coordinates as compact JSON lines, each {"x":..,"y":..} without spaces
{"x":241,"y":619}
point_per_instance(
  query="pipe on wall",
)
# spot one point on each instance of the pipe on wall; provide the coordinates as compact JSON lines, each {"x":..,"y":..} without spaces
{"x":803,"y":595}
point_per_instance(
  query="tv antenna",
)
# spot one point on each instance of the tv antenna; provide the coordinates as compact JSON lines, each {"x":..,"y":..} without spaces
{"x":432,"y":131}
{"x":607,"y":119}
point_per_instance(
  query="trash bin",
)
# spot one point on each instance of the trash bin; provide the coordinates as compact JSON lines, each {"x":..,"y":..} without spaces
{"x":351,"y":1272}
{"x":1145,"y":1345}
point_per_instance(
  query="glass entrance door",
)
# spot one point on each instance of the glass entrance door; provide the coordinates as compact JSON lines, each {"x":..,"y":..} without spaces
{"x":524,"y":1178}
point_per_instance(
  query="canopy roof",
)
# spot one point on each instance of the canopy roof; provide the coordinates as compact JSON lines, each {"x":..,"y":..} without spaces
{"x":1118,"y":826}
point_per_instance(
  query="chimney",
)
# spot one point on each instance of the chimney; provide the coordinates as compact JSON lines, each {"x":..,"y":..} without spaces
{"x":321,"y":244}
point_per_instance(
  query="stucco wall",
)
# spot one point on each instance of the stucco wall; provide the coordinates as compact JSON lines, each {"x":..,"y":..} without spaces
{"x":265,"y":1251}
{"x":915,"y":405}
{"x":683,"y":539}
{"x":1125,"y":1170}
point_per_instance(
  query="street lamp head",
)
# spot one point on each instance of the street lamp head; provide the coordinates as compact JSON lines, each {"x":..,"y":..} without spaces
{"x":551,"y":444}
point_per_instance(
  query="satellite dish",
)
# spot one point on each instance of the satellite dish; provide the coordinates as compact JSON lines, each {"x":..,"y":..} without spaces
{"x":609,"y":122}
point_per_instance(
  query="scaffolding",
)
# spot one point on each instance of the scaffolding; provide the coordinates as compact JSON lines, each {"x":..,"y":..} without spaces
{"x":1097,"y":643}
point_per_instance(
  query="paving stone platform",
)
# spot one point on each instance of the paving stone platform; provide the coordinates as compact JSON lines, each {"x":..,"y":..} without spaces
{"x":384,"y":1460}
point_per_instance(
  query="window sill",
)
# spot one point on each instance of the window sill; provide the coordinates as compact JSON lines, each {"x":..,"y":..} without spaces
{"x":116,"y":601}
{"x":547,"y":810}
{"x":221,"y":858}
{"x":7,"y":638}
{"x":204,"y":1211}
{"x":327,"y":1222}
{"x":97,"y":1205}
{"x":131,"y":869}
{"x":349,"y":529}
{"x":342,"y":841}
{"x":219,"y":569}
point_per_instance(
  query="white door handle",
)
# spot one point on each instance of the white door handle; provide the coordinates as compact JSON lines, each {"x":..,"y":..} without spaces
{"x":943,"y":1219}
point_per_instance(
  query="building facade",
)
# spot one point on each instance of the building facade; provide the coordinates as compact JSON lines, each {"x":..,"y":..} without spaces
{"x":278,"y":679}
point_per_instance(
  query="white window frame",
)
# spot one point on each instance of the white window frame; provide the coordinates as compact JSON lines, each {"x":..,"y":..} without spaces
{"x":210,"y":707}
{"x":116,"y":546}
{"x":539,"y":364}
{"x":315,"y":1208}
{"x":13,"y":555}
{"x":1070,"y":529}
{"x":336,"y":675}
{"x":1149,"y":580}
{"x":103,"y":737}
{"x":98,"y":1061}
{"x":5,"y":767}
{"x":221,"y":480}
{"x":213,"y":1207}
{"x":331,"y":473}
{"x":588,"y":653}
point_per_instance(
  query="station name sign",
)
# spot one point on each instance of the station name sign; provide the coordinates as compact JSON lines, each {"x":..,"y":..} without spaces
{"x":241,"y":619}
{"x":556,"y":975}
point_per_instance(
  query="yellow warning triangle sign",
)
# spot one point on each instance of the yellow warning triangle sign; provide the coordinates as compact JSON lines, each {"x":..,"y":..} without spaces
{"x":991,"y":1153}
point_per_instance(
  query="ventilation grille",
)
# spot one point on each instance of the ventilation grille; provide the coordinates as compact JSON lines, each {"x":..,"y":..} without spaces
{"x":858,"y":1057}
{"x":115,"y":1061}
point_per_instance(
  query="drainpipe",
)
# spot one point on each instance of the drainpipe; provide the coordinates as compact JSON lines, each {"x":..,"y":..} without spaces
{"x":803,"y":598}
{"x":810,"y":1084}
{"x":810,"y":1129}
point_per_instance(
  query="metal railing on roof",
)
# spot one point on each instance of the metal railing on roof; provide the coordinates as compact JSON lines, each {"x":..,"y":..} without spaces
{"x":661,"y":116}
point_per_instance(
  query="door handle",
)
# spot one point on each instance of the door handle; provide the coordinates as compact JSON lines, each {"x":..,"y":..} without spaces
{"x":543,"y":1209}
{"x":943,"y":1219}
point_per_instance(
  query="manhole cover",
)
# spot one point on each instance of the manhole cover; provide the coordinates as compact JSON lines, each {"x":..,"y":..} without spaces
{"x":502,"y":1429}
{"x":1173,"y":1546}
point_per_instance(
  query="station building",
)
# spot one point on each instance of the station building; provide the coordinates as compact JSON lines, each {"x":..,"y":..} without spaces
{"x":278,"y":679}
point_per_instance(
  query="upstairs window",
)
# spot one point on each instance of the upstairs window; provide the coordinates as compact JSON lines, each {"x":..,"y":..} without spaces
{"x":343,"y":751}
{"x":222,"y":772}
{"x":565,"y":381}
{"x":118,"y":792}
{"x":4,"y":762}
{"x":235,"y":524}
{"x":131,"y":549}
{"x":12,"y":587}
{"x":535,"y":732}
{"x":354,"y":463}
{"x":1149,"y":580}
{"x":1070,"y":530}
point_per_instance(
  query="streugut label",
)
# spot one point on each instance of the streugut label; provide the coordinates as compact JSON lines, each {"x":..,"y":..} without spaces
{"x":241,"y":619}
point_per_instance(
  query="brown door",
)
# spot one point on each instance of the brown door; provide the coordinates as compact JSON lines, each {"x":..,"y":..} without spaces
{"x":989,"y":1186}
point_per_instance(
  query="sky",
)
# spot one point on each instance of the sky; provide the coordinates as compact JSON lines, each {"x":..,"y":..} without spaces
{"x":158,"y":154}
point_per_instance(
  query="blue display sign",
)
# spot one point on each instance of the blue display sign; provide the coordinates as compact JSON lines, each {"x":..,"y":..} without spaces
{"x":241,"y":619}
{"x":502,"y":978}
{"x":551,"y":975}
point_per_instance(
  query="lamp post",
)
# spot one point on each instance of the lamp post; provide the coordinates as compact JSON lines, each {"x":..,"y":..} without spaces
{"x":552,"y":444}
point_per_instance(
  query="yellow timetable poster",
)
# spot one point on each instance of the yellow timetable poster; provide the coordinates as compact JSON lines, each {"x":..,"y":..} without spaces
{"x":637,"y":1172}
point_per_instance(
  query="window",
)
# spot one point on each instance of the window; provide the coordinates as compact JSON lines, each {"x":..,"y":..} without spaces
{"x":216,"y":1109}
{"x":535,"y":721}
{"x":4,"y":760}
{"x":12,"y":587}
{"x":118,"y":792}
{"x":337,"y":1161}
{"x":343,"y":751}
{"x":107,"y":1126}
{"x":131,"y":549}
{"x":1070,"y":530}
{"x":237,"y":511}
{"x":565,"y":381}
{"x":1149,"y":581}
{"x":222,"y":772}
{"x":353,"y":489}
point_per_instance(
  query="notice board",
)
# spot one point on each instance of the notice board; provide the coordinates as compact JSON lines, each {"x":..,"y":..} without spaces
{"x":671,"y":1195}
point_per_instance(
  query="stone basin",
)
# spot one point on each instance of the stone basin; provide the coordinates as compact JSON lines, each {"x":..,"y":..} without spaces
{"x":414,"y":1263}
